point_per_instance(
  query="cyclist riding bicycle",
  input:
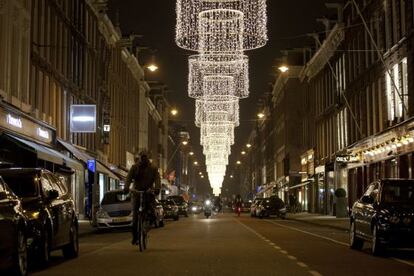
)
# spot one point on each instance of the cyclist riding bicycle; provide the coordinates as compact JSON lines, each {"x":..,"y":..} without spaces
{"x":144,"y":177}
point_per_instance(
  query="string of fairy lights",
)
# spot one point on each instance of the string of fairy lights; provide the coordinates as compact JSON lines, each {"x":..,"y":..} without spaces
{"x":220,"y":31}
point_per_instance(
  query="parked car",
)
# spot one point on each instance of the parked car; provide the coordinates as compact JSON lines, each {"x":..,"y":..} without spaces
{"x":13,"y":228}
{"x":384,"y":216}
{"x":170,"y":209}
{"x":52,"y":221}
{"x":115,"y":210}
{"x":271,"y":206}
{"x":159,"y":214}
{"x":182,"y":205}
{"x":254,"y":205}
{"x":246,"y":207}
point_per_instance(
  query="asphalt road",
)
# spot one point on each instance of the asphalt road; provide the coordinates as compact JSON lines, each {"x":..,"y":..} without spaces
{"x":227,"y":245}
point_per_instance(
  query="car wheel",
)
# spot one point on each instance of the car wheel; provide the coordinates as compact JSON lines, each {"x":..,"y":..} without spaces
{"x":186,"y":214}
{"x":20,"y":256}
{"x":44,"y":249}
{"x":377,"y":248}
{"x":161,"y":224}
{"x":177,"y":217}
{"x":71,"y":250}
{"x":355,"y":242}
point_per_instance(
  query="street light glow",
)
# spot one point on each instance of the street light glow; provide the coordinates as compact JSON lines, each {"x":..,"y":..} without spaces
{"x":283,"y":68}
{"x":231,"y":176}
{"x":243,"y":152}
{"x":248,"y":146}
{"x":260,"y":115}
{"x":238,"y":162}
{"x":174,"y":112}
{"x":152,"y":67}
{"x":191,"y":153}
{"x":185,"y":143}
{"x":195,"y":163}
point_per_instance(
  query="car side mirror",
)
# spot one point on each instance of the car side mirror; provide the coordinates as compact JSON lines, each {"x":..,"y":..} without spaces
{"x":52,"y":194}
{"x":367,"y":199}
{"x":3,"y":195}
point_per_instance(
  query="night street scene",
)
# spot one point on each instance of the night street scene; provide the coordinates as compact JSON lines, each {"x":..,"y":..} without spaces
{"x":206,"y":137}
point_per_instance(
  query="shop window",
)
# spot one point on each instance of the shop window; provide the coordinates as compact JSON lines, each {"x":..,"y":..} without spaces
{"x":397,"y":90}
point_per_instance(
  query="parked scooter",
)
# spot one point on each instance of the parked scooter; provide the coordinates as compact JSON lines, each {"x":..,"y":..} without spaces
{"x":207,"y":208}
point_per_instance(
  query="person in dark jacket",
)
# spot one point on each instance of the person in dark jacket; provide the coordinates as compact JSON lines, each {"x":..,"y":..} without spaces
{"x":143,"y":176}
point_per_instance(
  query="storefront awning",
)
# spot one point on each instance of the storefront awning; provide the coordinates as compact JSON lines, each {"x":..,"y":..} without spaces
{"x":300,"y":185}
{"x":84,"y":157}
{"x":42,"y":152}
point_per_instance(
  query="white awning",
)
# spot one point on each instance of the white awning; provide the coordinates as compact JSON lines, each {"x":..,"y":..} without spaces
{"x":101,"y":168}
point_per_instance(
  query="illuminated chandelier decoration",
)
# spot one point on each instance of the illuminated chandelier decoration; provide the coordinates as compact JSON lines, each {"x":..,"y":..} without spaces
{"x":220,"y":31}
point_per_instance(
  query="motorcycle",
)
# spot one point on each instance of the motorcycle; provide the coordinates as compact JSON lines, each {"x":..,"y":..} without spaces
{"x":207,"y":208}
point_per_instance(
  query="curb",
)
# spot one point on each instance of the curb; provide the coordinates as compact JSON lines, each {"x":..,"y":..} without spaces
{"x":318,"y":224}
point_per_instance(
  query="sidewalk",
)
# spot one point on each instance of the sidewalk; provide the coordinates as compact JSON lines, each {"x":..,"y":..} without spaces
{"x":85,"y":228}
{"x":321,"y":220}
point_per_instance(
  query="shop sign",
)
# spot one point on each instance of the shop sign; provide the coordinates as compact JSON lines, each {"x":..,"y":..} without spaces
{"x":14,"y":121}
{"x":320,"y":169}
{"x":347,"y":159}
{"x":25,"y":126}
{"x":83,"y":118}
{"x":91,"y":165}
{"x":43,"y":133}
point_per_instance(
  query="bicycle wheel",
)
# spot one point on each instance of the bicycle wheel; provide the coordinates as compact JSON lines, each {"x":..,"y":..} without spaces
{"x":145,"y":234}
{"x":140,"y":233}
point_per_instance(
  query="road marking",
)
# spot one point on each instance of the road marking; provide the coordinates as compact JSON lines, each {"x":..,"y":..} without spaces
{"x":333,"y":240}
{"x":309,"y":233}
{"x":301,"y":264}
{"x":315,"y":273}
{"x":403,"y":261}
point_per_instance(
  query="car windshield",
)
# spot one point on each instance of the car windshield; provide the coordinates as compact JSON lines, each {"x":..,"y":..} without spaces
{"x":398,"y":192}
{"x":116,"y":198}
{"x":22,"y":185}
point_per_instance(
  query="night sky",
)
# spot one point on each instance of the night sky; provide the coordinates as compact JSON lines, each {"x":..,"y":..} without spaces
{"x":288,"y":23}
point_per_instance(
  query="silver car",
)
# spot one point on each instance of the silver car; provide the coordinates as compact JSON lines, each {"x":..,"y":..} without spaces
{"x":115,"y":211}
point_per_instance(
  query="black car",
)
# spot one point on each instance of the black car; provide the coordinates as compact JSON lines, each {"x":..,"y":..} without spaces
{"x":384,"y":216}
{"x":13,"y":227}
{"x":271,"y":206}
{"x":182,"y":205}
{"x":52,"y":221}
{"x":170,"y":209}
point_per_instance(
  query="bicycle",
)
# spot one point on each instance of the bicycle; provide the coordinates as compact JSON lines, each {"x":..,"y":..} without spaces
{"x":143,"y":224}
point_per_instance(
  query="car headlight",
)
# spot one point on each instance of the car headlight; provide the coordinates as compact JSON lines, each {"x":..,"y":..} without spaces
{"x":208,"y":202}
{"x":282,"y":210}
{"x":102,"y":214}
{"x":33,"y":215}
{"x":194,"y":208}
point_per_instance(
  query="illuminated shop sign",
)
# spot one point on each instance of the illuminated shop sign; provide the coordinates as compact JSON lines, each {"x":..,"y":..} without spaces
{"x":14,"y":121}
{"x":107,"y":128}
{"x":43,"y":133}
{"x":83,"y":118}
{"x":348,"y":159}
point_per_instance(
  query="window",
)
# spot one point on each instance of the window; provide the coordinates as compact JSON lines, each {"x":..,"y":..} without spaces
{"x":2,"y":189}
{"x":397,"y":90}
{"x":46,"y":185}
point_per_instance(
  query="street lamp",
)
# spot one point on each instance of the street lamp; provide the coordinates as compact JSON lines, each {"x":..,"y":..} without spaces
{"x":243,"y":152}
{"x":231,"y":176}
{"x":185,"y":143}
{"x":152,"y":67}
{"x":283,"y":68}
{"x":174,"y":112}
{"x":248,"y":146}
{"x":191,"y":153}
{"x":195,"y":163}
{"x":260,"y":115}
{"x":238,"y":162}
{"x":202,"y":176}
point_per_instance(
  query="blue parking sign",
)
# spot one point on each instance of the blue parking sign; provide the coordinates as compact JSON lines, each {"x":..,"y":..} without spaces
{"x":92,"y":165}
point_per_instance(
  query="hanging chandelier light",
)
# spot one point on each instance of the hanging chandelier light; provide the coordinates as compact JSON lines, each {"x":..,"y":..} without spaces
{"x":223,"y":17}
{"x":220,"y":31}
{"x":218,"y":75}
